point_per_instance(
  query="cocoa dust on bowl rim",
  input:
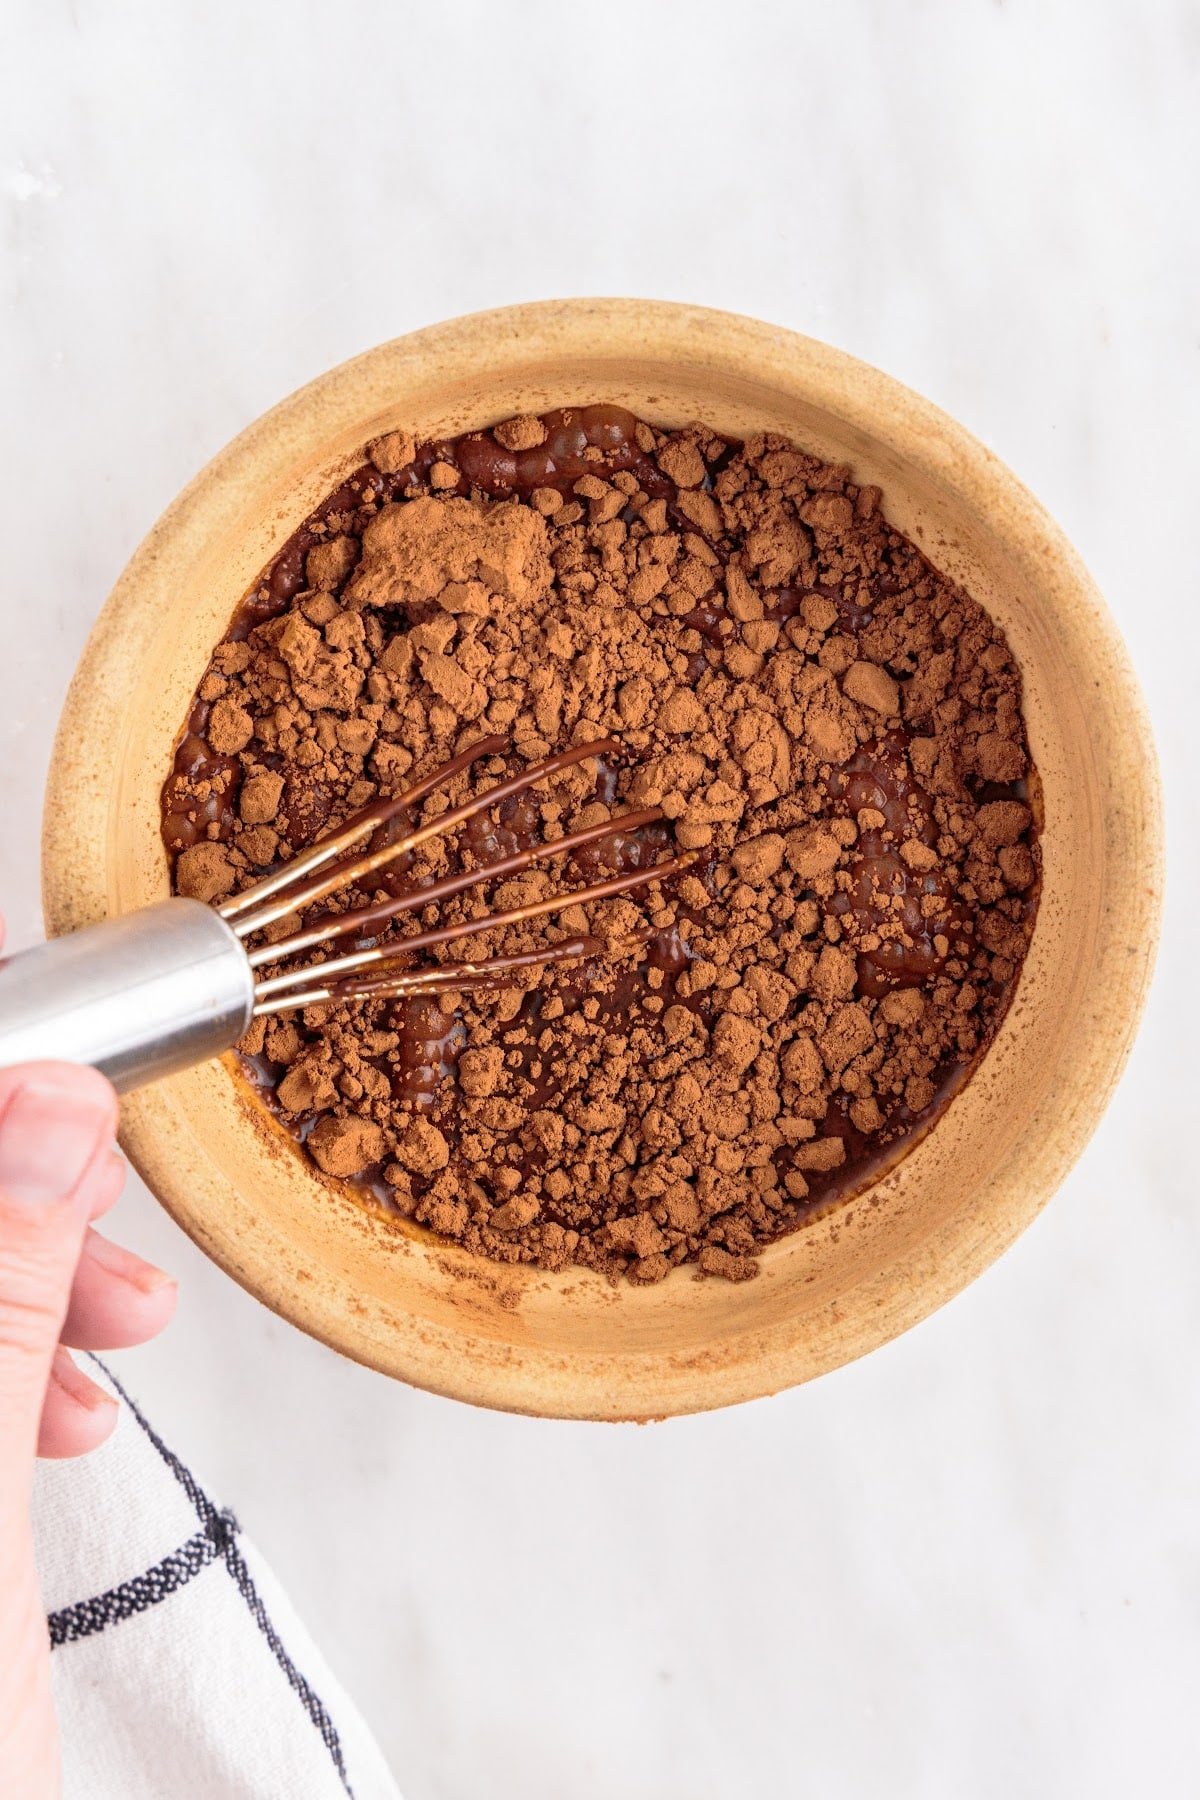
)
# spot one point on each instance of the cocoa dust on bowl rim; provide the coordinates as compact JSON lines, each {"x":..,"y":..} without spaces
{"x":825,"y":721}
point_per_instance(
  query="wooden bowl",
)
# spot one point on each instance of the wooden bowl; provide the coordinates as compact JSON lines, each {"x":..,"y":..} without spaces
{"x":569,"y":1344}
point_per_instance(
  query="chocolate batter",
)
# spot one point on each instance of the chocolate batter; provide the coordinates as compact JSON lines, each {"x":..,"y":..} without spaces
{"x":830,"y":725}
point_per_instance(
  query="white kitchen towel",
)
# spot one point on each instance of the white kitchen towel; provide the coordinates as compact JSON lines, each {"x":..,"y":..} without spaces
{"x":180,"y":1671}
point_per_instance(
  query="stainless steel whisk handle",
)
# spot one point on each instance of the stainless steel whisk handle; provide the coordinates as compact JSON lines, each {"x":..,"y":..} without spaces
{"x":137,"y":997}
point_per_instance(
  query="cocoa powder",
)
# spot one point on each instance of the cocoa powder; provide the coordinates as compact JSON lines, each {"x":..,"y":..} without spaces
{"x":830,"y":726}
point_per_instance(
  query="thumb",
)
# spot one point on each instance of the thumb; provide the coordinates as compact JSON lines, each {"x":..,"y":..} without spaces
{"x":56,"y":1127}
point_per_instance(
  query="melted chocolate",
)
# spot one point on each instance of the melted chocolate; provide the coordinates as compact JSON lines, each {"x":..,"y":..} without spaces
{"x":600,"y":440}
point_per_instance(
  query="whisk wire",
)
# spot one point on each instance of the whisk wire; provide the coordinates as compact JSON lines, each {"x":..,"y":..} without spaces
{"x":329,"y":926}
{"x":344,"y":874}
{"x":359,"y":825}
{"x":383,"y":970}
{"x":446,"y":934}
{"x":449,"y":976}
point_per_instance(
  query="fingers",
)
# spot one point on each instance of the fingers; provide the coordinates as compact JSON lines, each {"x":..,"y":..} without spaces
{"x":117,"y":1299}
{"x":56,"y":1130}
{"x":77,"y":1415}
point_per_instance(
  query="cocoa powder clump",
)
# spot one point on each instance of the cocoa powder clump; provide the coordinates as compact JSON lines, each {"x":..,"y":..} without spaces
{"x":826,"y":722}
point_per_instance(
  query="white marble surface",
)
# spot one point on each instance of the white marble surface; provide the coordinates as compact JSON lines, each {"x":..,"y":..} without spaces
{"x":968,"y":1566}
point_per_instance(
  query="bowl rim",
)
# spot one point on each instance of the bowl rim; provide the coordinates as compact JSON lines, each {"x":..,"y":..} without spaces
{"x":75,"y":809}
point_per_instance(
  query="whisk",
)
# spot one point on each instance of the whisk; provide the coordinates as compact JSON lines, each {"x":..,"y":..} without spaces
{"x":173,"y":984}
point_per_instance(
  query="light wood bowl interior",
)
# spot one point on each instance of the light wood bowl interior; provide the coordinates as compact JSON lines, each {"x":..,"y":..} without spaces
{"x":569,"y":1344}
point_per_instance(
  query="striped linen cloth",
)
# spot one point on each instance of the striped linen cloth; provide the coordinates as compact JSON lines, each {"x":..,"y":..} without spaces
{"x":180,"y":1671}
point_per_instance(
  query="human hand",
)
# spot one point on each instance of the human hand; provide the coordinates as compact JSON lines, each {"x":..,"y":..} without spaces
{"x":61,"y":1284}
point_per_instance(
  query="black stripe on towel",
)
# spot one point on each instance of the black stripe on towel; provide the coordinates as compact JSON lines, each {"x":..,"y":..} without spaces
{"x":70,"y":1623}
{"x":219,"y":1529}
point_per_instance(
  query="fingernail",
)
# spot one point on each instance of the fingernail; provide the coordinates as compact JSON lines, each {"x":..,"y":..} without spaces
{"x":48,"y":1136}
{"x":151,"y":1280}
{"x":126,"y":1266}
{"x":79,"y":1386}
